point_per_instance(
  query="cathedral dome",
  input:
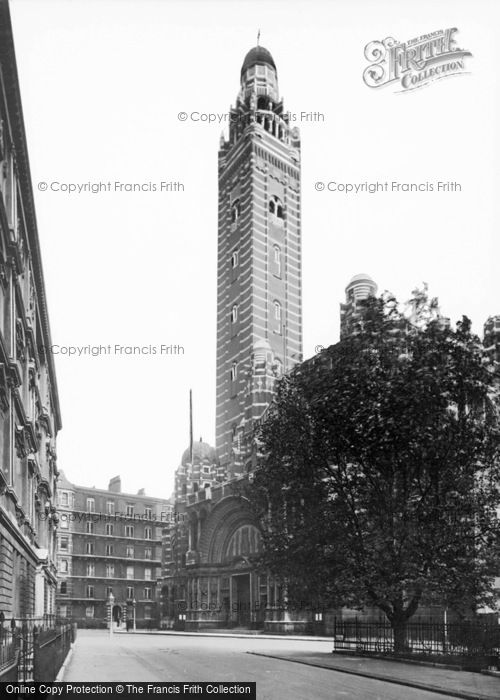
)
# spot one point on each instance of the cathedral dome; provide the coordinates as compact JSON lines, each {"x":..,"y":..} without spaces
{"x":261,"y":344}
{"x":361,"y":278}
{"x":257,"y":55}
{"x":201,"y":451}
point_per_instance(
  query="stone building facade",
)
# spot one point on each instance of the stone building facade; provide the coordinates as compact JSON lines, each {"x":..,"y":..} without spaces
{"x":29,"y":406}
{"x":109,"y":542}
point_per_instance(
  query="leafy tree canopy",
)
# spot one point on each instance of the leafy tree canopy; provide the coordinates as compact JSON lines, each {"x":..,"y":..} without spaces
{"x":379,"y":484}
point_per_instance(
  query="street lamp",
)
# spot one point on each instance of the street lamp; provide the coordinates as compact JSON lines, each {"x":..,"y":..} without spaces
{"x":111,"y":600}
{"x":133,"y":610}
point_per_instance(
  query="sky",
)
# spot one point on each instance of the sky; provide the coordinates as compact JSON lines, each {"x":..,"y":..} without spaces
{"x":103,"y":83}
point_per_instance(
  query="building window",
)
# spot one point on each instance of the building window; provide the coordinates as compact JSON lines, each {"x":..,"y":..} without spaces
{"x":90,"y":505}
{"x":64,"y":544}
{"x":90,"y":528}
{"x":234,"y":313}
{"x":129,"y":530}
{"x":63,"y":588}
{"x":109,"y":529}
{"x":277,"y":311}
{"x":147,"y":612}
{"x":148,"y":512}
{"x":130,"y":552}
{"x":147,"y":593}
{"x":277,"y":260}
{"x":148,"y":553}
{"x":63,"y":611}
{"x":234,"y":371}
{"x":130,"y":510}
{"x":89,"y":548}
{"x":89,"y":611}
{"x":90,"y":569}
{"x":148,"y":533}
{"x":147,"y":574}
{"x":90,"y":591}
{"x":109,"y":591}
{"x":109,"y":550}
{"x":64,"y":498}
{"x":130,"y":572}
{"x":110,"y":570}
{"x":63,"y":566}
{"x":276,"y":207}
{"x":235,"y":211}
{"x":234,"y":259}
{"x":110,"y":507}
{"x":130,"y":591}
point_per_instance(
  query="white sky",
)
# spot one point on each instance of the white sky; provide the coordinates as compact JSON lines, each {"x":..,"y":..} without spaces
{"x":102,"y":83}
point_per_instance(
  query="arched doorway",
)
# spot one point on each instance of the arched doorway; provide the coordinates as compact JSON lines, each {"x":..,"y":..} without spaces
{"x":117,"y":614}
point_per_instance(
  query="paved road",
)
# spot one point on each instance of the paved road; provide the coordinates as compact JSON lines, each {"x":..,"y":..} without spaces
{"x":159,"y":658}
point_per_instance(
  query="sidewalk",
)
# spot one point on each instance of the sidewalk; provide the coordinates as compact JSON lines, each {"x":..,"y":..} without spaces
{"x":228,"y":633}
{"x":455,"y":683}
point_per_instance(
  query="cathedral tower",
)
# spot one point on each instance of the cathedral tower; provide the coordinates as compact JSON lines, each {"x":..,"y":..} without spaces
{"x":259,"y":309}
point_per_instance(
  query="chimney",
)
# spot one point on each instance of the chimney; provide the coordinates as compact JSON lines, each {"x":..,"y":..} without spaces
{"x":115,"y":484}
{"x":141,"y":492}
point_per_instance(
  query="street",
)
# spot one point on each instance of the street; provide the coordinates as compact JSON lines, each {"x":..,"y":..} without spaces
{"x":158,"y":658}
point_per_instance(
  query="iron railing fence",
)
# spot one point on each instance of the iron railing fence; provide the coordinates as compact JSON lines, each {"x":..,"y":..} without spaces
{"x":51,"y":647}
{"x":8,"y":653}
{"x":35,"y":646}
{"x":467,"y":638}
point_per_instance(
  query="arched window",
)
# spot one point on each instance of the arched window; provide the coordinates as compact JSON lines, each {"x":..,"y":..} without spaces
{"x":277,"y":311}
{"x":234,"y":313}
{"x":235,"y":211}
{"x":276,"y":207}
{"x":234,"y":371}
{"x":234,"y":259}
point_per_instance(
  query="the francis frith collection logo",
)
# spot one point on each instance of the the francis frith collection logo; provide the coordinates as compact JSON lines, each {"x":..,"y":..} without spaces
{"x":416,"y":62}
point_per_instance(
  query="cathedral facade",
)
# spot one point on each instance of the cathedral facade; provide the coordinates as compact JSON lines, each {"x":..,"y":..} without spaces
{"x":210,"y":579}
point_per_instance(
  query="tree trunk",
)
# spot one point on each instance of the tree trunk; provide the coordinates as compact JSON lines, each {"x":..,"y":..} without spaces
{"x":398,"y":624}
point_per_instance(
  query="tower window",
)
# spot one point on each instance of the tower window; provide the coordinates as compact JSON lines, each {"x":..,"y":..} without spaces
{"x":235,"y":211}
{"x":234,"y":371}
{"x":277,"y":311}
{"x":234,"y":313}
{"x":276,"y":207}
{"x":277,"y":260}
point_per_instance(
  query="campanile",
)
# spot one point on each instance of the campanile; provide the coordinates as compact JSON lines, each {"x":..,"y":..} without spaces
{"x":259,"y":308}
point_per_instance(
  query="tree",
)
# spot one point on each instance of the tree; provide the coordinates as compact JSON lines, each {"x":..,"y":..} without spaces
{"x":379,"y":485}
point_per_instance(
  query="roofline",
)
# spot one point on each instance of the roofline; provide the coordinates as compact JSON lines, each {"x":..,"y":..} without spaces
{"x":112,"y":493}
